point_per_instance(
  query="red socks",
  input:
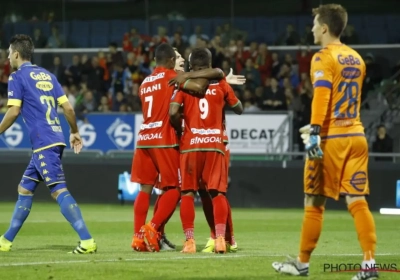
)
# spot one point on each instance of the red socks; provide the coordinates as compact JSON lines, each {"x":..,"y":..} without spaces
{"x":187,"y":215}
{"x":166,"y":207}
{"x":229,"y":226}
{"x":220,"y":206}
{"x":156,"y":204}
{"x":140,"y":209}
{"x":162,"y":227}
{"x":208,"y":212}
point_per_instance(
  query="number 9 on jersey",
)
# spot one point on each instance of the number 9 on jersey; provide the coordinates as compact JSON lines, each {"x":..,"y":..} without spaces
{"x":203,"y":106}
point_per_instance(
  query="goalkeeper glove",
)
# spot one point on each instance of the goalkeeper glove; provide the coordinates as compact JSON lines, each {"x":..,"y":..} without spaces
{"x":312,"y":141}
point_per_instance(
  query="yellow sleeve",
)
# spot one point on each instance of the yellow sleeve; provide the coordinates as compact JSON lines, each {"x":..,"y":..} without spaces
{"x":322,"y":79}
{"x":62,"y":99}
{"x":14,"y":102}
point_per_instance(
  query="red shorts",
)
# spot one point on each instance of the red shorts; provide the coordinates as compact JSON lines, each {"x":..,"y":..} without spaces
{"x":157,"y":164}
{"x":228,"y":158}
{"x":207,"y":167}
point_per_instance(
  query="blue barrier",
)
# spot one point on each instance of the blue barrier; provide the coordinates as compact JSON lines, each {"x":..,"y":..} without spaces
{"x":103,"y":132}
{"x":127,"y":190}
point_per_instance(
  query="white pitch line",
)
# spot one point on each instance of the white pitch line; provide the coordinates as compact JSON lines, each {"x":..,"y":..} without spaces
{"x":196,"y":257}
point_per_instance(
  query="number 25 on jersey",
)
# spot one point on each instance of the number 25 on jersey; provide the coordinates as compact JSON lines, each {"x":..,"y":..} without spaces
{"x":346,"y":107}
{"x":51,"y":105}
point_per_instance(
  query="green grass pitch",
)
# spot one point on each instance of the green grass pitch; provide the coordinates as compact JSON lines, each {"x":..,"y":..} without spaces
{"x":263,"y":235}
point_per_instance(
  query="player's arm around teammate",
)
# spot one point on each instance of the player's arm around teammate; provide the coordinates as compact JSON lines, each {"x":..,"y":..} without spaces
{"x":202,"y":151}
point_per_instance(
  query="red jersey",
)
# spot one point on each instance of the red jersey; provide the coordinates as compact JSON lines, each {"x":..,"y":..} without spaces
{"x":225,"y":136}
{"x":204,"y":129}
{"x":155,"y":94}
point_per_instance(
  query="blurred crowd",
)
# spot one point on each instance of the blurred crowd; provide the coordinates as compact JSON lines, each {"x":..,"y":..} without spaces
{"x":109,"y":81}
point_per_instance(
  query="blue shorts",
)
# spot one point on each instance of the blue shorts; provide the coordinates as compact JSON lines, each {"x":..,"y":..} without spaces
{"x":45,"y":166}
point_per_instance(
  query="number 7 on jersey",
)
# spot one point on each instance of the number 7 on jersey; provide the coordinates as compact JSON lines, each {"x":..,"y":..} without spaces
{"x":150,"y":100}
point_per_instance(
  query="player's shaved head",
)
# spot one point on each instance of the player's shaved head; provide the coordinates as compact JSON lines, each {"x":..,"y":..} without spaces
{"x":165,"y":55}
{"x":200,"y":58}
{"x":209,"y":54}
{"x":334,"y":16}
{"x":23,"y":44}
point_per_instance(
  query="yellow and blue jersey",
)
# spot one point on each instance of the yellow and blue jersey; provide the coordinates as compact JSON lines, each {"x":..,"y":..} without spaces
{"x":38,"y":93}
{"x":342,"y":70}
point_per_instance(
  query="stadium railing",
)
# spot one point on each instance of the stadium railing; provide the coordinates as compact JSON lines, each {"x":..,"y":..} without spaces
{"x":384,"y":53}
{"x":118,"y":154}
{"x":284,"y":156}
{"x":387,"y":96}
{"x":13,"y":153}
{"x":272,"y":48}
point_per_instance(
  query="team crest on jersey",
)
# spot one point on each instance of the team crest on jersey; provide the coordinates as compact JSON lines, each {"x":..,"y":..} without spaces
{"x":318,"y":74}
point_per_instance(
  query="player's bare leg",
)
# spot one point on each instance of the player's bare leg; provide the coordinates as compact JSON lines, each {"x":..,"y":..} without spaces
{"x":366,"y":232}
{"x":140,"y":209}
{"x":314,"y":207}
{"x":187,"y":213}
{"x":21,"y":212}
{"x":166,"y":207}
{"x":220,"y":206}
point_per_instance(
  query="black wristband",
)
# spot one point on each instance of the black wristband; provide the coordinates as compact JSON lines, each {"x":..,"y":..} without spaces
{"x":315,"y":129}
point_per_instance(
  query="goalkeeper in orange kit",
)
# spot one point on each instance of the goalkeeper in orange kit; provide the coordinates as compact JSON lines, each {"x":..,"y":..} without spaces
{"x":337,"y":163}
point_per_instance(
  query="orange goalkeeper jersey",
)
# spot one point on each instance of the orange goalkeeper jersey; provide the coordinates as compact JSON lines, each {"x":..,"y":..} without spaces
{"x":337,"y":74}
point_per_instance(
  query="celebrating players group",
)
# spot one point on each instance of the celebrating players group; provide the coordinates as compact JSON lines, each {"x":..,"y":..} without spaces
{"x":182,"y":149}
{"x":182,"y":146}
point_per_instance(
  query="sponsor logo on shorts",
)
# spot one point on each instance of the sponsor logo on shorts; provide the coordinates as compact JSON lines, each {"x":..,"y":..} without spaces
{"x":150,"y":136}
{"x":205,"y":140}
{"x":359,"y":180}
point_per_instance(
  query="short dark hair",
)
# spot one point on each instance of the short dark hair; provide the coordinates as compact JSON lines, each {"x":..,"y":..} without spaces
{"x":381,"y":126}
{"x":164,"y":52}
{"x":200,"y":57}
{"x":23,"y":44}
{"x":334,"y":16}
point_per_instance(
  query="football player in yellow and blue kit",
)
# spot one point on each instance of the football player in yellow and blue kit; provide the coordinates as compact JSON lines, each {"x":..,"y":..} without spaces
{"x":35,"y":93}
